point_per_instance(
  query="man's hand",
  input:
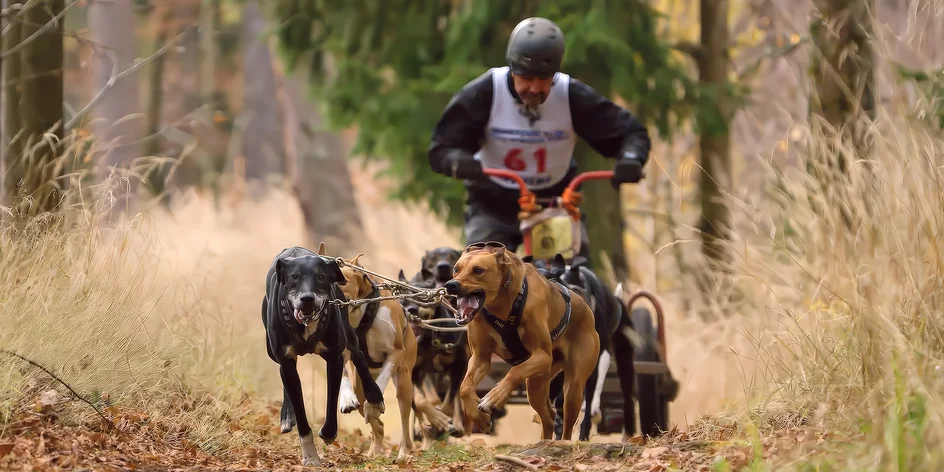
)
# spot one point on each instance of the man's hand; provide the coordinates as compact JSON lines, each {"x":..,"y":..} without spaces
{"x":461,"y":165}
{"x":628,"y":170}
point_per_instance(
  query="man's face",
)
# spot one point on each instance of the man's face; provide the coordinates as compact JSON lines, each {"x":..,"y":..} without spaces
{"x":532,"y":90}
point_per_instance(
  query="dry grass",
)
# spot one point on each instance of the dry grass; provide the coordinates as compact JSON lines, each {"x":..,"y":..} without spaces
{"x":849,"y":313}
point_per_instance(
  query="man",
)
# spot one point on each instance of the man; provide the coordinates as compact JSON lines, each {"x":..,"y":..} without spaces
{"x":526,"y":117}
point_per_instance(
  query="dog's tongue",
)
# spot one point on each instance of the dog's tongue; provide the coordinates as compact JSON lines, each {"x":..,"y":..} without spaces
{"x":468,"y":305}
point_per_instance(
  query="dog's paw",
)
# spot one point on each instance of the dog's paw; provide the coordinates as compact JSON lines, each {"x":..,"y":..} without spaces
{"x":482,"y":421}
{"x":438,"y":419}
{"x":494,"y":399}
{"x":287,"y":425}
{"x":595,"y":414}
{"x":348,"y":401}
{"x":404,"y":456}
{"x":372,"y":412}
{"x":309,"y":452}
{"x":328,"y":436}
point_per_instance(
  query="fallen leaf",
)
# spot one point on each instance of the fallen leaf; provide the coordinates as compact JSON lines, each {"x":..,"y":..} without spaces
{"x":534,"y":460}
{"x":653,"y":452}
{"x":5,"y":448}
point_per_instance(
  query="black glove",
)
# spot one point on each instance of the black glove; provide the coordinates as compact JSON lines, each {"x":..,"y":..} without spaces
{"x":461,"y":165}
{"x":628,"y":170}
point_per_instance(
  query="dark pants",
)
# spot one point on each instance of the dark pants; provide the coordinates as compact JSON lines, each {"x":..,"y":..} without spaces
{"x":482,"y":225}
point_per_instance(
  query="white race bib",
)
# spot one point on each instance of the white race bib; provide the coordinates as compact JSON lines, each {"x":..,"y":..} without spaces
{"x":539,"y":153}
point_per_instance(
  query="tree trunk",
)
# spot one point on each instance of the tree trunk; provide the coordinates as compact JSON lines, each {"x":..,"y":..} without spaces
{"x":316,"y":165}
{"x":843,"y":84}
{"x":41,"y":108}
{"x":842,"y":68}
{"x":604,"y":209}
{"x":208,"y":11}
{"x":715,"y":140}
{"x":13,"y":168}
{"x":156,"y":176}
{"x":262,"y":143}
{"x":117,"y":132}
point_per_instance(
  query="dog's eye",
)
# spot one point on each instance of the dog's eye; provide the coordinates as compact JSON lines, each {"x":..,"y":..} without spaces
{"x":320,"y":277}
{"x":478,"y":271}
{"x":455,"y":270}
{"x":294,"y":276}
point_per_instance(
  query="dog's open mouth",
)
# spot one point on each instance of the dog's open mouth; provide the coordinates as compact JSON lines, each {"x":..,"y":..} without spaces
{"x":469,"y":306}
{"x":303,"y":318}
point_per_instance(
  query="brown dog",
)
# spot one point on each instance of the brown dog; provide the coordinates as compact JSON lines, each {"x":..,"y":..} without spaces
{"x":388,"y":344}
{"x":535,"y":325}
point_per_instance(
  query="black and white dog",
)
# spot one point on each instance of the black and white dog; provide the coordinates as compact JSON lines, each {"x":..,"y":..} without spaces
{"x":300,"y":319}
{"x":611,"y":316}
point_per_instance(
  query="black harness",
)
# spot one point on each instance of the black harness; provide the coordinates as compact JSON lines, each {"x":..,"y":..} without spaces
{"x":508,"y":329}
{"x":370,"y":313}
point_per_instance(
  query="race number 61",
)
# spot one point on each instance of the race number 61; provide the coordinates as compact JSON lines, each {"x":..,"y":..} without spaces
{"x":513,"y":160}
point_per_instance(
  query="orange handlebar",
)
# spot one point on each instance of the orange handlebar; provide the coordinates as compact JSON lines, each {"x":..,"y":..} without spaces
{"x":579,"y":179}
{"x":527,"y":201}
{"x":509,"y":175}
{"x":589,"y":175}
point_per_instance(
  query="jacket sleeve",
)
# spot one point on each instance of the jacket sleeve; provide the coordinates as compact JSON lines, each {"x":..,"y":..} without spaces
{"x":607,"y":127}
{"x":461,"y":126}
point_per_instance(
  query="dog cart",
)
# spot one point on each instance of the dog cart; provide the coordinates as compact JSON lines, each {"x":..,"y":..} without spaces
{"x":555,"y":230}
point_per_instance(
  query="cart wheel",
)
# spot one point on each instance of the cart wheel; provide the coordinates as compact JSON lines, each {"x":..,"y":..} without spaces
{"x":653,"y":406}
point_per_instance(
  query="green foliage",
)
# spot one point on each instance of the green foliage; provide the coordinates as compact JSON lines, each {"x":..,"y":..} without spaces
{"x":397,"y":63}
{"x":932,"y":85}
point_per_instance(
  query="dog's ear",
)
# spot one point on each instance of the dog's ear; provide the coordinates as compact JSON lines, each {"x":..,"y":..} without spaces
{"x":321,"y":249}
{"x":579,"y":261}
{"x":424,"y":258}
{"x":402,"y":277}
{"x":334,"y":271}
{"x":280,"y":270}
{"x":425,"y":274}
{"x":356,"y":260}
{"x":559,"y":262}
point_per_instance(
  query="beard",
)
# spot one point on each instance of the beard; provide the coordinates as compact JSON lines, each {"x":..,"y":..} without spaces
{"x":532,"y":100}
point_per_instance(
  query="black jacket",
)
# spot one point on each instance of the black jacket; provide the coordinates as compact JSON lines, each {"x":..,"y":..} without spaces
{"x":608,"y":128}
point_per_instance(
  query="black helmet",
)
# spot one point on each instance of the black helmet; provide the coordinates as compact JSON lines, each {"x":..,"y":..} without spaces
{"x":535,"y":48}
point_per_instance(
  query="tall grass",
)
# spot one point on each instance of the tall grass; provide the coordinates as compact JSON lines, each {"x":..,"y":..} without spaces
{"x":847,"y":280}
{"x":97,"y":296}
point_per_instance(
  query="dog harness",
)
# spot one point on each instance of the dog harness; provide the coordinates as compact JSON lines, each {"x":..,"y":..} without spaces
{"x":508,"y":329}
{"x":370,"y":313}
